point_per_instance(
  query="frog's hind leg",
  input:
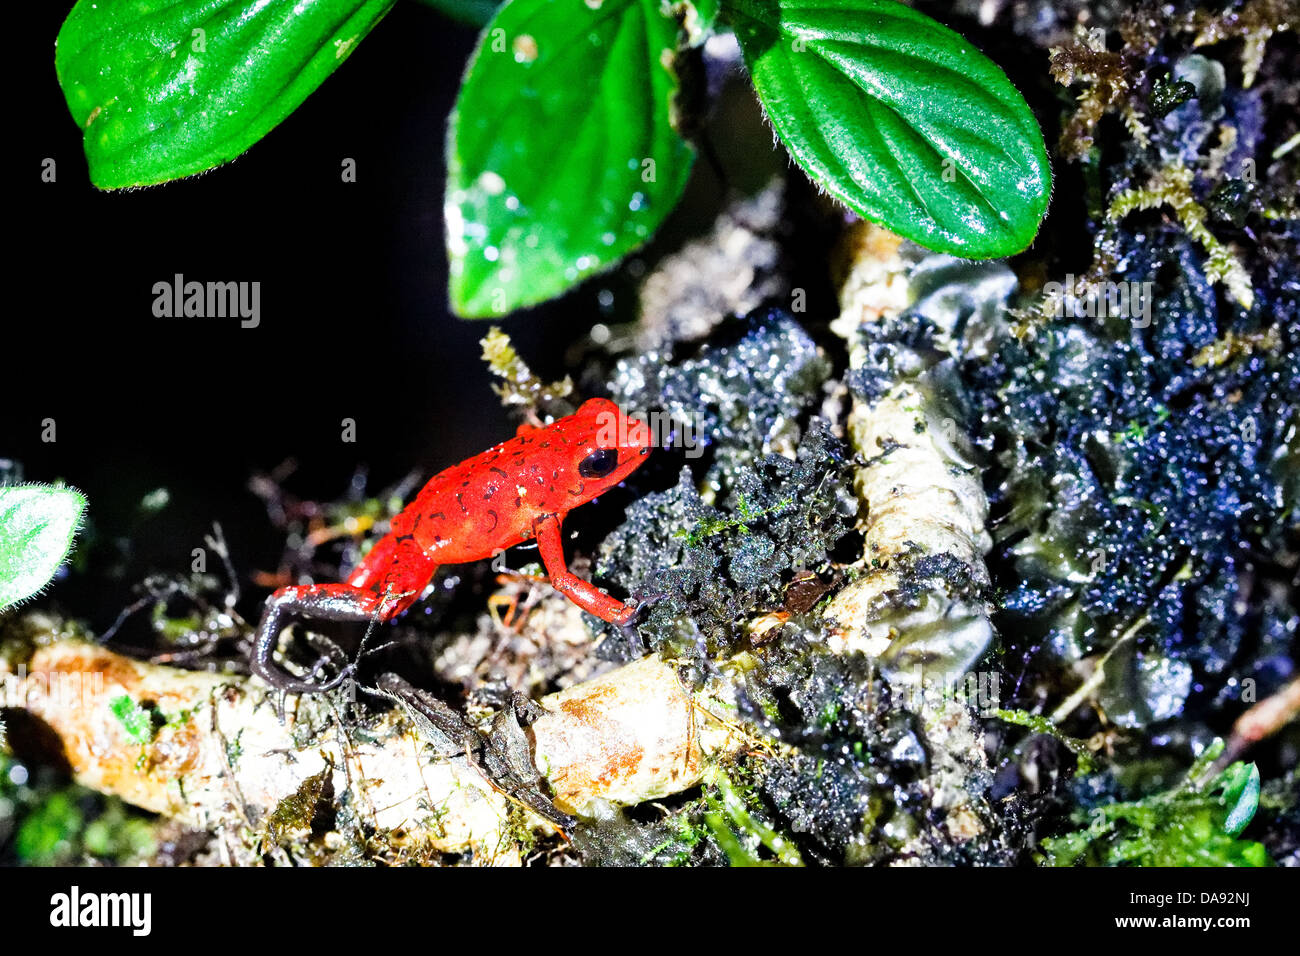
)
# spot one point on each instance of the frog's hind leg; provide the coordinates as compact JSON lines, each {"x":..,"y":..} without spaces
{"x":397,"y":570}
{"x":329,"y":602}
{"x":387,"y":582}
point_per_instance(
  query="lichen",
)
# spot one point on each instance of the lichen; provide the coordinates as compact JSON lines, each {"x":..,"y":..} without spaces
{"x":519,"y":387}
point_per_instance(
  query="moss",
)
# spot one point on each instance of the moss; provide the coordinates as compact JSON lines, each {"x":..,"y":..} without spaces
{"x":1043,"y":725}
{"x":135,"y":720}
{"x":297,"y":813}
{"x":744,"y":395}
{"x":47,"y":836}
{"x":742,"y":835}
{"x":1172,"y":186}
{"x":1167,"y":94}
{"x":742,"y":521}
{"x":1195,"y":823}
{"x":46,"y":821}
{"x":520,"y":387}
{"x":686,"y":836}
{"x":715,"y":568}
{"x":1142,"y":463}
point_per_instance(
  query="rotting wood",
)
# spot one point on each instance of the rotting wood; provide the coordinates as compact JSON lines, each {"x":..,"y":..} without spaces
{"x":920,"y":494}
{"x":221,"y":759}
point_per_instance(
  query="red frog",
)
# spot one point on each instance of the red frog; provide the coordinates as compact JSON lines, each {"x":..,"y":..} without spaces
{"x":520,"y":489}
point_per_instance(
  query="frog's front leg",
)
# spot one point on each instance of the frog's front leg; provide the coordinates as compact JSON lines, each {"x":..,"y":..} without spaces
{"x":582,"y":593}
{"x":386,"y":582}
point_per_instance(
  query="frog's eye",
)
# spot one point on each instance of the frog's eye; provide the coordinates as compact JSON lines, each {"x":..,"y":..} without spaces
{"x":599,"y":463}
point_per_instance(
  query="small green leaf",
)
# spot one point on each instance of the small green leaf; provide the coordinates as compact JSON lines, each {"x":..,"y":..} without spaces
{"x":135,"y":720}
{"x":899,"y":118}
{"x":37,"y":525}
{"x":165,"y":89}
{"x":1240,"y":785}
{"x":561,"y":156}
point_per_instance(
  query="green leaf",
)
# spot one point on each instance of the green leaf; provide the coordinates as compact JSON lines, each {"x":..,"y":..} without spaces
{"x":1240,"y":786}
{"x":165,"y":89}
{"x":561,"y":157}
{"x":37,"y":525}
{"x":901,"y":119}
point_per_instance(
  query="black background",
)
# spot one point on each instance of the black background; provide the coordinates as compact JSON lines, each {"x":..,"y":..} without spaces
{"x":1019,"y":909}
{"x":354,"y":317}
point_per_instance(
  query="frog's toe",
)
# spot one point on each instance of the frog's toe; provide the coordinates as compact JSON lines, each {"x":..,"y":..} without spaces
{"x":643,"y":600}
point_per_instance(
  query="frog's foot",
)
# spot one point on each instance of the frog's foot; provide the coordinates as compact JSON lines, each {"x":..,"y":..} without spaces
{"x":330,"y":602}
{"x":642,"y":601}
{"x":635,"y":646}
{"x":634,"y":617}
{"x":332,"y":659}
